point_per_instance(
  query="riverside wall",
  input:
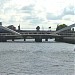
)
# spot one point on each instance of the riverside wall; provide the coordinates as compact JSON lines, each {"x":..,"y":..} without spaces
{"x":66,"y":39}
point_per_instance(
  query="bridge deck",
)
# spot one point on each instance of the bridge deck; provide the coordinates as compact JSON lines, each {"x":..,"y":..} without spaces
{"x":34,"y":34}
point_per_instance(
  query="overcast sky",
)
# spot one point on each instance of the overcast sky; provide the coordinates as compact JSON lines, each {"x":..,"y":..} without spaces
{"x":32,"y":13}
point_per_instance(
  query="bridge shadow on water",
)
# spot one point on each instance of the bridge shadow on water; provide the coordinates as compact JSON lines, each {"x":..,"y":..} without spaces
{"x":33,"y":41}
{"x":29,"y":41}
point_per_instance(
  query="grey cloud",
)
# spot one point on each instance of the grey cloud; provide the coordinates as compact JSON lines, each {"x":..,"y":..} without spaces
{"x":66,"y":11}
{"x":2,"y":2}
{"x":12,"y":19}
{"x":10,"y":10}
{"x":27,"y":9}
{"x":51,"y":16}
{"x":69,"y":11}
{"x":34,"y":20}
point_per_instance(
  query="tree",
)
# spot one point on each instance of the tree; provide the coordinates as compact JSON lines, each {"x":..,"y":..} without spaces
{"x":37,"y":28}
{"x":61,"y":26}
{"x":11,"y":27}
{"x":50,"y":28}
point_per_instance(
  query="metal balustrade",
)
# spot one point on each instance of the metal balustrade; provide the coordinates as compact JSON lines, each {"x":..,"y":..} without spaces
{"x":2,"y":34}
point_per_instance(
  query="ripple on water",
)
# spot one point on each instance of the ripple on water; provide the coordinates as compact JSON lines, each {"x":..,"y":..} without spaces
{"x":36,"y":59}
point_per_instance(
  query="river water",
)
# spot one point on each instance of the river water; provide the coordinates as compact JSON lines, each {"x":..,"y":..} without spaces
{"x":31,"y":58}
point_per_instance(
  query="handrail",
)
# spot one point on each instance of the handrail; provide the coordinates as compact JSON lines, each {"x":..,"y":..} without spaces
{"x":12,"y":31}
{"x":6,"y":34}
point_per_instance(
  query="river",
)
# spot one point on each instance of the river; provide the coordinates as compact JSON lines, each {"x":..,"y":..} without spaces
{"x":31,"y":58}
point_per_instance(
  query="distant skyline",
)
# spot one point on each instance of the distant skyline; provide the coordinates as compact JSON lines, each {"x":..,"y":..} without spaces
{"x":32,"y":13}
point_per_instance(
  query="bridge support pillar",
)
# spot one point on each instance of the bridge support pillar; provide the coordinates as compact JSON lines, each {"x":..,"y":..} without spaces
{"x":24,"y":39}
{"x":60,"y":39}
{"x":13,"y":39}
{"x":38,"y":39}
{"x":46,"y":39}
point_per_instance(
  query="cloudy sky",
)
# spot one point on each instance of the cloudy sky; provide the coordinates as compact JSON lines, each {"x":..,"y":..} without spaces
{"x":32,"y":13}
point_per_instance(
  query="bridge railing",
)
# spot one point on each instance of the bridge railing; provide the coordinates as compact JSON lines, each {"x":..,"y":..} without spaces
{"x":35,"y":32}
{"x":1,"y":34}
{"x":67,"y":34}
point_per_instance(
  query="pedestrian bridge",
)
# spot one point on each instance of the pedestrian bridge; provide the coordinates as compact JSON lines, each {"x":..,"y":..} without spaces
{"x":37,"y":35}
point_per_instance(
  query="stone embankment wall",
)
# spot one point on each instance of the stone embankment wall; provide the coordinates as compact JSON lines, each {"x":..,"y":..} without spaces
{"x":66,"y":39}
{"x":69,"y":39}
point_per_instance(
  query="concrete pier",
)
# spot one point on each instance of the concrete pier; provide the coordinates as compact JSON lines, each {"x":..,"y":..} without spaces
{"x":46,"y":39}
{"x":12,"y":39}
{"x":38,"y":39}
{"x":24,"y":39}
